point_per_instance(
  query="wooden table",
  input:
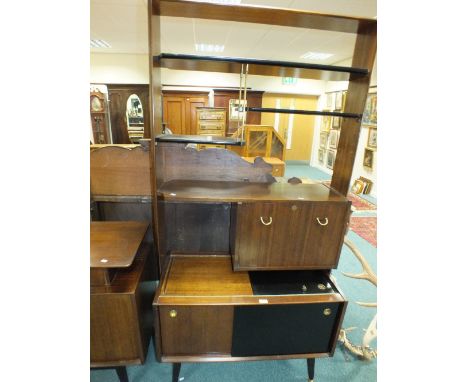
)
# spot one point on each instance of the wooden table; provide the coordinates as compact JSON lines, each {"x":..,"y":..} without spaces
{"x":120,"y":305}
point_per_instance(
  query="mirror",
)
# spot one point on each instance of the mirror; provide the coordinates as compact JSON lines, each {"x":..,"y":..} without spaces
{"x":135,"y":123}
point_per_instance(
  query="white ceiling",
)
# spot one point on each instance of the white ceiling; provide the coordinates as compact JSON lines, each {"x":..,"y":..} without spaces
{"x":123,"y":24}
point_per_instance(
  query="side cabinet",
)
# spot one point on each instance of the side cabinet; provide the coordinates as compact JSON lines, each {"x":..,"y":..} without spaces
{"x":288,"y":235}
{"x":225,"y":315}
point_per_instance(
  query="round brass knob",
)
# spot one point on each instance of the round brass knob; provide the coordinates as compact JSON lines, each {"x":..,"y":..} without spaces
{"x":321,"y":286}
{"x":327,"y":312}
{"x":173,"y":313}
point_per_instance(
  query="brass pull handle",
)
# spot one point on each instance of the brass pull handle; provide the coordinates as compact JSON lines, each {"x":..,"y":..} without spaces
{"x":173,"y":313}
{"x":327,"y":312}
{"x":326,"y":221}
{"x":269,"y":222}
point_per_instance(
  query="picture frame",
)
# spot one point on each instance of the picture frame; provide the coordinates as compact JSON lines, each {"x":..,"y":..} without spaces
{"x":321,"y":156}
{"x":234,"y":114}
{"x":372,"y":138}
{"x":368,"y":160}
{"x":336,"y":122}
{"x":334,"y":137}
{"x":358,"y":187}
{"x":339,"y":101}
{"x":369,"y":116}
{"x":330,"y":101}
{"x":331,"y":158}
{"x":326,"y":122}
{"x":323,"y":139}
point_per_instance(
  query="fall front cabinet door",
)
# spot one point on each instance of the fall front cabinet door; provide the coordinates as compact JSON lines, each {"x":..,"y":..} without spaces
{"x":288,"y":235}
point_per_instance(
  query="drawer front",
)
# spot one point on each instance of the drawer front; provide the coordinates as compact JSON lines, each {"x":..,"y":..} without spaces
{"x":211,"y":125}
{"x":212,"y":115}
{"x":292,"y":235}
{"x":191,"y":330}
{"x":285,"y":329}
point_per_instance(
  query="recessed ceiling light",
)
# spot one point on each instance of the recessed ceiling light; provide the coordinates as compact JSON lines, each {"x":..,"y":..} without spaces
{"x":99,"y":44}
{"x":316,"y":55}
{"x":209,"y":48}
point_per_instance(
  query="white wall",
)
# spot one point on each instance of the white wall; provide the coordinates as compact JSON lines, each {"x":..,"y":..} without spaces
{"x":111,"y":68}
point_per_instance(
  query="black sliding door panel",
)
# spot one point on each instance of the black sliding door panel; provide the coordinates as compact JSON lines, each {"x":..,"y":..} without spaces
{"x":283,"y":329}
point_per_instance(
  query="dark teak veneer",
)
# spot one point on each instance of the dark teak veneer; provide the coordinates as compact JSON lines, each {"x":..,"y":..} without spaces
{"x":120,"y":310}
{"x":244,"y":260}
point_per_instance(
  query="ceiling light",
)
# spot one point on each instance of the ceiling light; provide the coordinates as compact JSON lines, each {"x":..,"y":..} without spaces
{"x":316,"y":55}
{"x":209,"y":48}
{"x":99,"y":44}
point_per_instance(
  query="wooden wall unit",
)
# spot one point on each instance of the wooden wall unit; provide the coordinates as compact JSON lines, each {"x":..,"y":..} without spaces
{"x":180,"y":110}
{"x":288,"y":236}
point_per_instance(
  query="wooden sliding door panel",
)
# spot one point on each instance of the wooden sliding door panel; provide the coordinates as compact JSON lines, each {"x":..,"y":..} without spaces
{"x":288,"y":235}
{"x":196,"y":329}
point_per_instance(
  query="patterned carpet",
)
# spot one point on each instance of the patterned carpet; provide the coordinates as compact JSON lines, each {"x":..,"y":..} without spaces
{"x":366,"y":227}
{"x":363,"y":220}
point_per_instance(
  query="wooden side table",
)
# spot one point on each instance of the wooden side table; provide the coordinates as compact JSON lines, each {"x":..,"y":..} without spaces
{"x":121,"y":317}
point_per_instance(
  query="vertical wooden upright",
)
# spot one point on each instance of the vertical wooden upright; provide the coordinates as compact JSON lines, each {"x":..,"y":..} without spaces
{"x":155,"y":97}
{"x":364,"y":55}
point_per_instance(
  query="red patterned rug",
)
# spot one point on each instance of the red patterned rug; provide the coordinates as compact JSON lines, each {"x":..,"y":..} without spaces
{"x":366,"y":227}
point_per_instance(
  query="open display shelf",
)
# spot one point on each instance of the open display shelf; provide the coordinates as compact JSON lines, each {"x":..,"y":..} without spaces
{"x":228,"y":191}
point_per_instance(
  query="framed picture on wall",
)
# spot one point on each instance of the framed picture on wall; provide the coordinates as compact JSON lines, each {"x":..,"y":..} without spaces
{"x":326,"y":122}
{"x":369,"y":116}
{"x":234,"y":112}
{"x":368,"y":161}
{"x":372,"y":138}
{"x":334,"y":136}
{"x":336,"y":122}
{"x":339,"y":100}
{"x":321,"y":155}
{"x":323,"y":139}
{"x":331,"y":158}
{"x":330,"y":104}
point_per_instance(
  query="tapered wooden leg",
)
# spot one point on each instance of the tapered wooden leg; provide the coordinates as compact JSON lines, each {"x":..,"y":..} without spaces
{"x":122,"y":373}
{"x":175,"y":372}
{"x":311,"y":368}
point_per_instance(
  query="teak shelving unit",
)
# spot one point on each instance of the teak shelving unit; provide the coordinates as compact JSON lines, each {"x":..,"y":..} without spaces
{"x":245,"y":261}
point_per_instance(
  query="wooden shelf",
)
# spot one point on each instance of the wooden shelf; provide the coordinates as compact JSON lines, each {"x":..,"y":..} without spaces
{"x":199,"y":139}
{"x":228,"y":192}
{"x":260,"y":15}
{"x":115,"y":244}
{"x":257,"y":67}
{"x":303,"y":112}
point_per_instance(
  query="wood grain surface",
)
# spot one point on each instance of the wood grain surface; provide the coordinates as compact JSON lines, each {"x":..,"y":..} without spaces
{"x":229,"y":191}
{"x":115,"y":242}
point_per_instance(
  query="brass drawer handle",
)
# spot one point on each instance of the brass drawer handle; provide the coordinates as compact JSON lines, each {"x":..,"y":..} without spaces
{"x":327,"y":312}
{"x":173,"y":313}
{"x":326,"y":221}
{"x":261,"y":219}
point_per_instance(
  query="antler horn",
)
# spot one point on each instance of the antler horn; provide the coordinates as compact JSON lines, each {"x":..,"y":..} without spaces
{"x":367,"y":274}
